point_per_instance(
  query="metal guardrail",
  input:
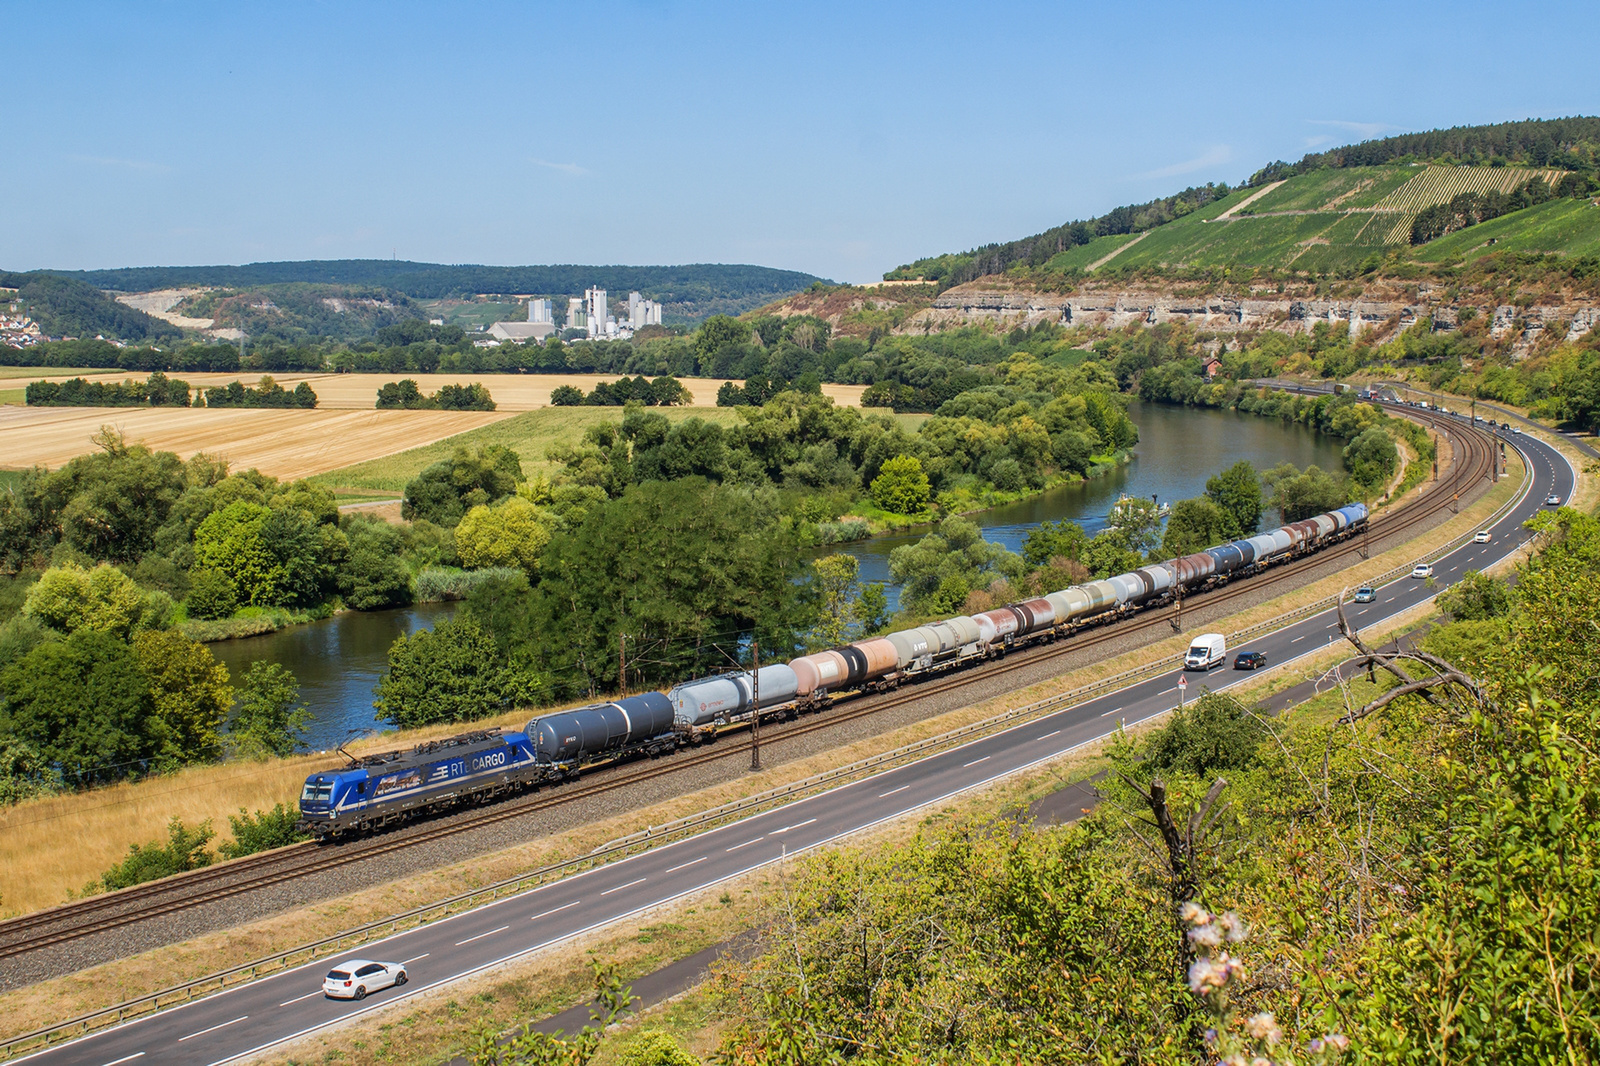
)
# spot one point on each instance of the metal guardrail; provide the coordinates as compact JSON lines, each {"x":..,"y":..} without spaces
{"x":654,"y":836}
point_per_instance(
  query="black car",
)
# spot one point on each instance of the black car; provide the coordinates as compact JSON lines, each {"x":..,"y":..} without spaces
{"x":1250,"y":660}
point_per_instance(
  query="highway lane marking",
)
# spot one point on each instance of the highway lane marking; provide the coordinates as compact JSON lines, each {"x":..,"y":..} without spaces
{"x":552,"y":910}
{"x":1047,"y":736}
{"x":975,"y":762}
{"x":1298,"y":639}
{"x":630,"y":884}
{"x":419,"y":958}
{"x":480,"y":936}
{"x":747,"y":843}
{"x":125,"y":1058}
{"x":797,"y":825}
{"x":892,"y":791}
{"x":213,"y":1029}
{"x":685,"y":865}
{"x":297,"y":999}
{"x":1111,"y":712}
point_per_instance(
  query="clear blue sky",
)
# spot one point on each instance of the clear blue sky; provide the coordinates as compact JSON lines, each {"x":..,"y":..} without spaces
{"x":840,"y":139}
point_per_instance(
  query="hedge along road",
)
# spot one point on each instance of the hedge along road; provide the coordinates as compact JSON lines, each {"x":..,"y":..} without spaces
{"x":250,"y":1018}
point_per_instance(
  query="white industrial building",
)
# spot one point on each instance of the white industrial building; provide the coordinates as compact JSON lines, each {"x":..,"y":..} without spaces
{"x":587,"y":313}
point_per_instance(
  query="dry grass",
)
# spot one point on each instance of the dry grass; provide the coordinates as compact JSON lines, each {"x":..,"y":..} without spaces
{"x":359,"y":392}
{"x":283,"y":443}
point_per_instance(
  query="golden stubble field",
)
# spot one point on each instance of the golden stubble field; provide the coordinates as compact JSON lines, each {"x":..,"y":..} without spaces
{"x":285,"y":444}
{"x":511,"y":392}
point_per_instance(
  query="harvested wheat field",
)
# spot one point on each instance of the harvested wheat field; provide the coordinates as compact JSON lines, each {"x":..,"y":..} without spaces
{"x":285,"y":444}
{"x":511,"y":392}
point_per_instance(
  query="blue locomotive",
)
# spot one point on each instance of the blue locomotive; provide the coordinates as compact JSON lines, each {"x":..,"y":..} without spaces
{"x":379,"y":790}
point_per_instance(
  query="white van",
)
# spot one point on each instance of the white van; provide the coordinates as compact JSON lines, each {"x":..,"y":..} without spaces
{"x":1208,"y":650}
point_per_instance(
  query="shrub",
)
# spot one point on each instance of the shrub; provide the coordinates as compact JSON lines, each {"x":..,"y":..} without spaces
{"x":654,"y":1047}
{"x":185,"y":849}
{"x":211,"y":594}
{"x":901,"y":486}
{"x":845,"y":529}
{"x":1214,"y":733}
{"x":263,"y":831}
{"x":566,"y":396}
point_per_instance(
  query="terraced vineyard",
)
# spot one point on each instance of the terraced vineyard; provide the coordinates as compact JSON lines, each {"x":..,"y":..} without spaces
{"x":1440,"y":185}
{"x":1336,"y":219}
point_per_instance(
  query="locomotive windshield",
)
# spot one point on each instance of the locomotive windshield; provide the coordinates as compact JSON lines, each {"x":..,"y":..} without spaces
{"x":317,"y":792}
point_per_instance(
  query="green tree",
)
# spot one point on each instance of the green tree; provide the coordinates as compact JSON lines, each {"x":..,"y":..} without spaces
{"x":1135,"y":522}
{"x":105,"y":600}
{"x":512,"y":532}
{"x":1050,"y":540}
{"x":1215,"y":734}
{"x":1299,"y":496}
{"x":190,"y":695}
{"x":837,"y":590}
{"x":1372,"y":458}
{"x":24,"y":774}
{"x":273,"y":555}
{"x":374,"y":574}
{"x":268,"y":717}
{"x":183,"y":850}
{"x":83,"y":704}
{"x":1195,"y":525}
{"x":451,"y":673}
{"x":1237,"y":490}
{"x":901,"y":486}
{"x":1476,"y":598}
{"x":211,"y":594}
{"x":1107,"y":554}
{"x":447,"y":490}
{"x":938,"y":572}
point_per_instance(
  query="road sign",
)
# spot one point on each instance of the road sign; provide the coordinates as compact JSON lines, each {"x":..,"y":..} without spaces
{"x":1183,"y":682}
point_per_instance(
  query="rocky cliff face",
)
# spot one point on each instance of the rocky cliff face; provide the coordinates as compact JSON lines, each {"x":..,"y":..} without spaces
{"x":1111,"y":308}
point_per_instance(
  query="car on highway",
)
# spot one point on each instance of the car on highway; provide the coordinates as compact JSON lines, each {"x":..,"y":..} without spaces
{"x":355,"y":978}
{"x":1366,"y":594}
{"x":1249,"y":660}
{"x":1552,"y":500}
{"x":1516,"y":429}
{"x":1422,"y":570}
{"x":1481,"y":537}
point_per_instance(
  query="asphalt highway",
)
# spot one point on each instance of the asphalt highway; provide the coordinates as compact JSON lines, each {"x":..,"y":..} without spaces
{"x":253,"y":1017}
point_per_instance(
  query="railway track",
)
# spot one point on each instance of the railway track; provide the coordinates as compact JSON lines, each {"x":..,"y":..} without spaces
{"x":46,"y":929}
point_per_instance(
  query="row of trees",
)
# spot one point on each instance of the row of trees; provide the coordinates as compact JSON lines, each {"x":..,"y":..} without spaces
{"x":664,"y":391}
{"x":265,"y":393}
{"x":406,"y":395}
{"x":156,"y":391}
{"x":1471,"y":208}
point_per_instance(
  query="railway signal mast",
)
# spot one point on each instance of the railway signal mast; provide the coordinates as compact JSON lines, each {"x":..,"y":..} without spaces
{"x":755,"y":701}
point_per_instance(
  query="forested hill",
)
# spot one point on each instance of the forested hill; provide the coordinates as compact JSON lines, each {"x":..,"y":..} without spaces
{"x":1335,"y":210}
{"x":702,"y":285}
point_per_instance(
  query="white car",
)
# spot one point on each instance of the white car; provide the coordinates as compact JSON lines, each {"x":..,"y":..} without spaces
{"x":1482,"y":537}
{"x":1552,"y":500}
{"x":1422,"y":570}
{"x":355,"y":978}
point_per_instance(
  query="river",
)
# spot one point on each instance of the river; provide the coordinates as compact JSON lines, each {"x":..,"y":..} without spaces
{"x":340,"y":659}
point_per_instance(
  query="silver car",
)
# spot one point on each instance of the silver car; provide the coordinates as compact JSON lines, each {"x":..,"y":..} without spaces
{"x":354,"y":979}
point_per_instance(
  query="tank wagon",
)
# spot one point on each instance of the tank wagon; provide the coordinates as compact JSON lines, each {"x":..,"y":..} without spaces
{"x":379,"y":790}
{"x":559,"y":745}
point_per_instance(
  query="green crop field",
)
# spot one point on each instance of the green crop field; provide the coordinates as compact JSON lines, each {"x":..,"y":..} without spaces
{"x":1333,"y":190}
{"x":13,"y":395}
{"x":529,"y":435}
{"x":1080,"y":257}
{"x":1571,"y":227}
{"x":470,"y":314}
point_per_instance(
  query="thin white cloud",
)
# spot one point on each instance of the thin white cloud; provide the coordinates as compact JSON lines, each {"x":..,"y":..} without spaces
{"x":1212,"y":157}
{"x":565,"y":168}
{"x":124,"y":164}
{"x":1364,"y":130}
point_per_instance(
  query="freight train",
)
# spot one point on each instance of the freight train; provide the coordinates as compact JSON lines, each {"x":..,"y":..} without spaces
{"x":480,"y":767}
